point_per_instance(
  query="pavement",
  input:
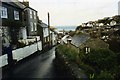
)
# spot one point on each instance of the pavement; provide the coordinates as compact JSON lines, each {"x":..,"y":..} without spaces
{"x":41,"y":66}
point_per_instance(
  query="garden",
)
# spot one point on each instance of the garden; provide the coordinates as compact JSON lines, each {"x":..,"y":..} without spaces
{"x":98,"y":63}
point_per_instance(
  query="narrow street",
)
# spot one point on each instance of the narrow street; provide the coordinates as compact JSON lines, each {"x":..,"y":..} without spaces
{"x":41,"y":66}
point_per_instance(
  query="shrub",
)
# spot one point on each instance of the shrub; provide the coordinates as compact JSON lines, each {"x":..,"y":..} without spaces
{"x":105,"y":75}
{"x":99,"y":63}
{"x":68,"y":52}
{"x":100,"y":59}
{"x":21,"y":44}
{"x":88,"y":69}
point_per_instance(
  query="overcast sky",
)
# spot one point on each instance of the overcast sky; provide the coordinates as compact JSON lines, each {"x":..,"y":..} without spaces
{"x":74,"y":12}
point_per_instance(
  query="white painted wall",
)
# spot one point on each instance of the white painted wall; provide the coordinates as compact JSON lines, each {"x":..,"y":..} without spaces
{"x":53,"y":38}
{"x":45,"y":32}
{"x":24,"y":33}
{"x":3,"y":60}
{"x":21,"y":53}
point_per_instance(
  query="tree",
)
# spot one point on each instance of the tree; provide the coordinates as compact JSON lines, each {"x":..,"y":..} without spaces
{"x":105,"y":21}
{"x":116,"y":18}
{"x":14,"y":28}
{"x":79,"y":27}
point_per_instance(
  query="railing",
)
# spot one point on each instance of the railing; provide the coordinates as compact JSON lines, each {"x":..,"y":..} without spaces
{"x":21,"y":53}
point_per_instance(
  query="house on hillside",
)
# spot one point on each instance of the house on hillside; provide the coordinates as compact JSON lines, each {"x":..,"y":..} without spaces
{"x":85,"y":44}
{"x":28,"y":33}
{"x":43,"y":30}
{"x":30,"y":19}
{"x":11,"y":14}
{"x":93,"y":43}
{"x":18,"y":32}
{"x":53,"y":36}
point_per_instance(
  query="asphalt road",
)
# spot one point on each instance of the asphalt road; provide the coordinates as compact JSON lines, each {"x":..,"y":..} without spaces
{"x":41,"y":67}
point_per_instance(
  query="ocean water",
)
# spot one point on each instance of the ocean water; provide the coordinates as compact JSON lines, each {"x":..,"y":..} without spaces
{"x":66,"y":28}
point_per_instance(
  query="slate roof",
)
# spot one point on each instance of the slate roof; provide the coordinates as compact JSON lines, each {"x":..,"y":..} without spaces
{"x":77,"y":40}
{"x":14,"y":3}
{"x":95,"y":43}
{"x":43,"y":25}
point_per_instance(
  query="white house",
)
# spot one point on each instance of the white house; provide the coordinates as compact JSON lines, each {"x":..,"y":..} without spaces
{"x":53,"y":37}
{"x":45,"y":32}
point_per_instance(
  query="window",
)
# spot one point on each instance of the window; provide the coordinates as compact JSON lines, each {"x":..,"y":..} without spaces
{"x":31,"y":24}
{"x":30,"y":13}
{"x":16,"y":15}
{"x":35,"y":26}
{"x":30,"y":16}
{"x":4,"y":12}
{"x":34,"y":15}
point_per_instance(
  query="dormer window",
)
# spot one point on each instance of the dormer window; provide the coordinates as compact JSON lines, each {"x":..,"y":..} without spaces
{"x":16,"y":15}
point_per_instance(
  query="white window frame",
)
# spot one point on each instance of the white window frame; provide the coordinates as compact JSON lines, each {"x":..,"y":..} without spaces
{"x":30,"y":16}
{"x":31,"y":24}
{"x":16,"y":15}
{"x":34,"y":15}
{"x":35,"y":26}
{"x":4,"y":13}
{"x":30,"y":13}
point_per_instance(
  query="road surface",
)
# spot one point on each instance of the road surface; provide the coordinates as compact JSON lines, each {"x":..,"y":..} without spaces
{"x":41,"y":66}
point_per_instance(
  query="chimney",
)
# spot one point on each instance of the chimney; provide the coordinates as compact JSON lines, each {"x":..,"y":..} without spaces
{"x":26,"y":3}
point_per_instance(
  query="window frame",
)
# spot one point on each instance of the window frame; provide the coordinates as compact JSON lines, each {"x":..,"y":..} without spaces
{"x":34,"y":15}
{"x":16,"y":15}
{"x":31,"y":24}
{"x":35,"y":26}
{"x":4,"y":12}
{"x":31,"y":13}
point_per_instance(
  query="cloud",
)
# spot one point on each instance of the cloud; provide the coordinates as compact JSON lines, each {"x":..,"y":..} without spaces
{"x":74,"y":12}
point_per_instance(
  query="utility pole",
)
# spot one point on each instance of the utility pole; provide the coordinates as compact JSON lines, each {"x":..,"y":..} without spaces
{"x":49,"y":28}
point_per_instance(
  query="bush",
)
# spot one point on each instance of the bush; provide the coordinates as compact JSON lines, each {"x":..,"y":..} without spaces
{"x":21,"y":44}
{"x":68,"y":52}
{"x":105,"y":75}
{"x":99,"y":63}
{"x":88,"y":69}
{"x":100,"y":59}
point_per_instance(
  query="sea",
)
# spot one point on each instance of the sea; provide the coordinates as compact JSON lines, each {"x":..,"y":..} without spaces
{"x":66,"y":28}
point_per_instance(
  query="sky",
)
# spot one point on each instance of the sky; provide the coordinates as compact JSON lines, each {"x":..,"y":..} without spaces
{"x":74,"y":12}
